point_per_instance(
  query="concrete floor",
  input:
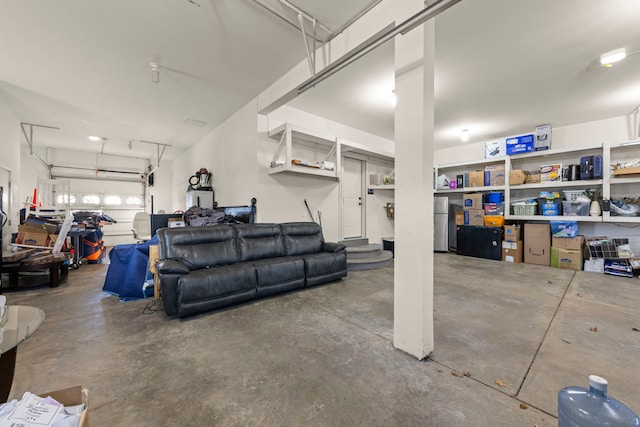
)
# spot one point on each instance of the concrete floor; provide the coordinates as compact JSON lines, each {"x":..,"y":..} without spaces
{"x":324,"y":356}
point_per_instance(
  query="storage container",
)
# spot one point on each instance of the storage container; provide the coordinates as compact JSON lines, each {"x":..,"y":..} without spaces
{"x":494,"y":197}
{"x":577,"y":208}
{"x":573,"y":195}
{"x":493,"y":221}
{"x":524,"y":209}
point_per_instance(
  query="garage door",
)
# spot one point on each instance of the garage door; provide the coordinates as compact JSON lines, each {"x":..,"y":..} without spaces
{"x":117,"y":198}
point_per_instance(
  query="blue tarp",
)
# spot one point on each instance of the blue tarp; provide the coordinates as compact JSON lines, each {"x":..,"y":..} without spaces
{"x":128,"y":268}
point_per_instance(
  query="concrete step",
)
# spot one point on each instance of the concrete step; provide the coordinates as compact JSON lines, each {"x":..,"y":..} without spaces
{"x":355,"y":242}
{"x":379,"y":260}
{"x":363,"y":251}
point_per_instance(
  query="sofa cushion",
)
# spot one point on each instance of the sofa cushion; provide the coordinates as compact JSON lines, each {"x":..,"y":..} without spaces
{"x":302,"y":237}
{"x":276,"y":275}
{"x":211,"y":283}
{"x":325,"y":267}
{"x":199,"y":247}
{"x":259,"y":241}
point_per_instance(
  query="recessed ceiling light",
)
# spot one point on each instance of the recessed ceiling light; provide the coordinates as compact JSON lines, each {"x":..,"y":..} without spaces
{"x":609,"y":58}
{"x":94,"y":138}
{"x":464,"y":135}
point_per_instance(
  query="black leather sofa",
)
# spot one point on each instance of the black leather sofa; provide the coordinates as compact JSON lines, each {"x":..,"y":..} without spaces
{"x":207,"y":268}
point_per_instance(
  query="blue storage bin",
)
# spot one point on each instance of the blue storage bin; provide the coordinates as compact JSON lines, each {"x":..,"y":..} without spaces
{"x":564,"y":228}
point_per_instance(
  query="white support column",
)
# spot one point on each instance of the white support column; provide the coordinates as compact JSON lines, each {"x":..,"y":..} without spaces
{"x":414,"y":117}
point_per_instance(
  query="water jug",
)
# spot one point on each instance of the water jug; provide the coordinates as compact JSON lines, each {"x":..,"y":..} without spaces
{"x":579,"y":407}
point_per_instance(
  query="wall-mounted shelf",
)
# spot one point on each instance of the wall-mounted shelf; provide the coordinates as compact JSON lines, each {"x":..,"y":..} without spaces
{"x":382,"y":187}
{"x":323,"y":148}
{"x":558,"y":184}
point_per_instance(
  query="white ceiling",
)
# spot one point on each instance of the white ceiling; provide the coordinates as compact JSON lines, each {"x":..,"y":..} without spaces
{"x":502,"y":67}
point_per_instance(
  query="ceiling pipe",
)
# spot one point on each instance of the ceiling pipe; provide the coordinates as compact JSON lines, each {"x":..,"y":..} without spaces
{"x":416,"y":20}
{"x":275,"y":13}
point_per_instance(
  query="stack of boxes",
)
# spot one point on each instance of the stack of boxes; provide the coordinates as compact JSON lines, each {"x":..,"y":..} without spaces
{"x":473,"y":211}
{"x":566,"y":252}
{"x":37,"y":232}
{"x":512,"y":245}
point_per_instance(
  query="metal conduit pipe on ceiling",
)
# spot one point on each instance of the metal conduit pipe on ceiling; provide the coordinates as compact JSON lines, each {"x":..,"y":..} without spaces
{"x":419,"y":18}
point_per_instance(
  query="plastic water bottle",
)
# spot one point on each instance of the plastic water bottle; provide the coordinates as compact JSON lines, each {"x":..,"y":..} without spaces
{"x":579,"y":407}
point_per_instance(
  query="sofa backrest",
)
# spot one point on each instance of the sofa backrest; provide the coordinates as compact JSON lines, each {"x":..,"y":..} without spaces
{"x":259,"y":241}
{"x":199,"y":247}
{"x":302,"y":238}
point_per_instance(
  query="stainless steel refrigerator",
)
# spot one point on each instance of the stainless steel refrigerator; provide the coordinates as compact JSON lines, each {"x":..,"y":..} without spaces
{"x":441,"y":224}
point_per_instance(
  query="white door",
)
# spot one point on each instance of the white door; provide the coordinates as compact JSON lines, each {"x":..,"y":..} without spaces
{"x":352,"y":198}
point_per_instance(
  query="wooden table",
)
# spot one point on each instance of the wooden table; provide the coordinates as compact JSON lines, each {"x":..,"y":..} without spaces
{"x":56,"y":264}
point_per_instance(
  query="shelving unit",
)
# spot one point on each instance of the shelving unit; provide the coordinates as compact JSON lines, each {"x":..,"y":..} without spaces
{"x":381,"y":187}
{"x":616,"y":187}
{"x":320,"y":147}
{"x":610,"y":185}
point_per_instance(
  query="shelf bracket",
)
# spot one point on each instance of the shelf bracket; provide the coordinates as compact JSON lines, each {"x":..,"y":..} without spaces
{"x":29,"y":139}
{"x":281,"y":145}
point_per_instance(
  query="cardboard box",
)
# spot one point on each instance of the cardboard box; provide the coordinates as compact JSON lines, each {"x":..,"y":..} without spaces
{"x":551,"y":172}
{"x":618,"y":267}
{"x":533,"y":177}
{"x":476,"y":179}
{"x":474,"y":217}
{"x":33,"y":238}
{"x":512,"y":251}
{"x":512,"y":233}
{"x":472,"y":201}
{"x":520,"y":144}
{"x":459,"y":218}
{"x":39,"y":224}
{"x":517,"y":176}
{"x":493,"y":208}
{"x":494,"y":175}
{"x":567,"y":259}
{"x":537,"y":244}
{"x":595,"y":265}
{"x":573,"y":243}
{"x":73,"y":396}
{"x":543,"y":138}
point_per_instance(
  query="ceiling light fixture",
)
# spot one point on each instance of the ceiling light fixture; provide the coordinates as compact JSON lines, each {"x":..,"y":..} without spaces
{"x":95,"y":138}
{"x":609,"y":58}
{"x":464,"y":135}
{"x":155,"y":72}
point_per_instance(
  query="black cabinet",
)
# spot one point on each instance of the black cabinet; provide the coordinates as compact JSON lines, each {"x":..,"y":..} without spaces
{"x":479,"y":242}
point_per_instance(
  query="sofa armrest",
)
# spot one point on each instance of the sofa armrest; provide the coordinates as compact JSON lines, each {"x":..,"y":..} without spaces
{"x":169,"y":266}
{"x":333,"y":247}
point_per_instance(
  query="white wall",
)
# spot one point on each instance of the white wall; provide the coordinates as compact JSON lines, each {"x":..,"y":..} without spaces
{"x":282,"y":195}
{"x":579,"y":135}
{"x":10,"y":148}
{"x":229,"y":153}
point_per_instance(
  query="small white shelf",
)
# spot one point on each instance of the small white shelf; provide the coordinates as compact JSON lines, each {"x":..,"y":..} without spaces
{"x":557,"y":184}
{"x":469,"y":189}
{"x":382,"y":187}
{"x":628,"y":219}
{"x":554,"y":218}
{"x":303,"y":170}
{"x":630,"y":180}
